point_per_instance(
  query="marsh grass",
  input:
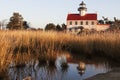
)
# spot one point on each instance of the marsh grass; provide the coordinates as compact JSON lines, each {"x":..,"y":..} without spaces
{"x":22,"y":46}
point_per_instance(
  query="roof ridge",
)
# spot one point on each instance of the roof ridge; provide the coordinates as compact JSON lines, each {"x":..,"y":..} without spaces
{"x":86,"y":13}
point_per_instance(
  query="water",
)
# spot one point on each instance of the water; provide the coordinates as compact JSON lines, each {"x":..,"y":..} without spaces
{"x":65,"y":67}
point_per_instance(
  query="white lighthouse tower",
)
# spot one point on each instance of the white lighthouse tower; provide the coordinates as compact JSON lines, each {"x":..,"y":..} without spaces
{"x":82,"y":9}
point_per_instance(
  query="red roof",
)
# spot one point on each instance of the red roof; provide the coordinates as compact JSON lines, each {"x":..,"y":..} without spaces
{"x":85,"y":17}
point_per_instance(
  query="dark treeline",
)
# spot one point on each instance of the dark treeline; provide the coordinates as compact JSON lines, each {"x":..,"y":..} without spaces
{"x":114,"y":24}
{"x":17,"y":22}
{"x":53,"y":27}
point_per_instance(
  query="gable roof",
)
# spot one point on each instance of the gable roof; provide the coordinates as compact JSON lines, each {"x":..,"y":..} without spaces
{"x":85,"y":17}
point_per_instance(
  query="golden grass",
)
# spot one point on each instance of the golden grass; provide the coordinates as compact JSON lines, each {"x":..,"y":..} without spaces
{"x":18,"y":46}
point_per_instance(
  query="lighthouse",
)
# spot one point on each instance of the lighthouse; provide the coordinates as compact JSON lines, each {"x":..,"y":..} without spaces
{"x":82,"y":19}
{"x":77,"y":22}
{"x":82,"y":9}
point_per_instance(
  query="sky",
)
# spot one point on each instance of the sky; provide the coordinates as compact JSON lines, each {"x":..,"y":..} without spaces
{"x":41,"y":12}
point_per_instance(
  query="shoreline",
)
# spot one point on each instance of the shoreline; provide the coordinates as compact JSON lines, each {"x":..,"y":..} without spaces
{"x":111,"y":75}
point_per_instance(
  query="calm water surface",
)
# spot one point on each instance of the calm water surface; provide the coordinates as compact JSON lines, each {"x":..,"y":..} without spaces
{"x":65,"y":67}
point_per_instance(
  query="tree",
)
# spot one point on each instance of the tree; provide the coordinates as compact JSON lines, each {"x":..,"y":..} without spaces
{"x":58,"y":28}
{"x":115,"y":25}
{"x":64,"y":27}
{"x":115,"y":19}
{"x":101,"y":21}
{"x":50,"y":26}
{"x":40,"y":29}
{"x":25,"y":25}
{"x":105,"y":21}
{"x":17,"y":23}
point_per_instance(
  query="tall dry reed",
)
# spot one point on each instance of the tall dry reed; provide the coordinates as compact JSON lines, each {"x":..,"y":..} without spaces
{"x":19,"y":46}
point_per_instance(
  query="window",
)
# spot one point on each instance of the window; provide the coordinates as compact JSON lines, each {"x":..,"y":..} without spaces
{"x":70,"y":22}
{"x":76,"y":23}
{"x":81,"y":22}
{"x":86,"y":22}
{"x":92,"y":23}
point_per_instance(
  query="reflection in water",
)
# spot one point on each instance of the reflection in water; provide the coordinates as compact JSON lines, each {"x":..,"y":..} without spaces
{"x":3,"y":75}
{"x":28,"y":78}
{"x":64,"y":64}
{"x":62,"y":68}
{"x":81,"y":68}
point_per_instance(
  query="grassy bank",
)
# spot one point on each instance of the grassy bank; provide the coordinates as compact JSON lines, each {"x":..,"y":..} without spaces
{"x":21,"y":46}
